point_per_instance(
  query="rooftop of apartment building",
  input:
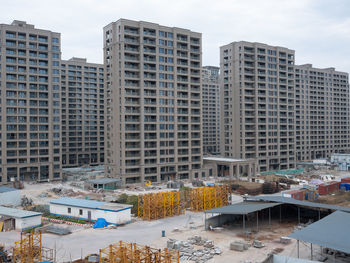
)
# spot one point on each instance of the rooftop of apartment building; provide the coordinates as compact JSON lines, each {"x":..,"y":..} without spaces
{"x":26,"y":26}
{"x":150,"y":24}
{"x":242,"y":42}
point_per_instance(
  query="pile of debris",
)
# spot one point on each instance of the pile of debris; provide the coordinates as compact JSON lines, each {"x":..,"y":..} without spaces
{"x":188,"y":251}
{"x":65,"y":192}
{"x":26,"y":202}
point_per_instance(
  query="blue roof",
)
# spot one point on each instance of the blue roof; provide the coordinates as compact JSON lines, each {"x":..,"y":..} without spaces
{"x":4,"y":189}
{"x":77,"y":202}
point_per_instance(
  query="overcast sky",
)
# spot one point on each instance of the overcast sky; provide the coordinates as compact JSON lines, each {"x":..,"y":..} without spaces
{"x":319,"y":30}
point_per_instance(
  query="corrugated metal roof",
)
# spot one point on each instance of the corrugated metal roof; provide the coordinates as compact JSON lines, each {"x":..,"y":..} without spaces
{"x":17,"y":213}
{"x":242,"y":208}
{"x":104,"y":181}
{"x":287,"y":200}
{"x":331,"y":231}
{"x":4,"y":189}
{"x":77,"y":202}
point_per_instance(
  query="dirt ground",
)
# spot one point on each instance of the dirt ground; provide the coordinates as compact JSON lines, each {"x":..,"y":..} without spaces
{"x":340,"y":198}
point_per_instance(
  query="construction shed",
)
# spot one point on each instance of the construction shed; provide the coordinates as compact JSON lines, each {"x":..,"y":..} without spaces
{"x":104,"y":183}
{"x":245,"y":211}
{"x":9,"y":196}
{"x":331,"y":232}
{"x":91,"y":210}
{"x":23,"y":219}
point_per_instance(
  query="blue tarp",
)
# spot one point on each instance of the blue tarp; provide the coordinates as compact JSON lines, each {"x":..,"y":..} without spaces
{"x":100,"y":223}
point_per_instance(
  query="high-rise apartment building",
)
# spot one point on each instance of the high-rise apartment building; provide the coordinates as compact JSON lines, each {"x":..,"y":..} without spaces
{"x":211,"y":110}
{"x":322,"y":112}
{"x":82,"y":112}
{"x":258,"y":104}
{"x":280,"y":113}
{"x":30,"y":103}
{"x":153,"y":102}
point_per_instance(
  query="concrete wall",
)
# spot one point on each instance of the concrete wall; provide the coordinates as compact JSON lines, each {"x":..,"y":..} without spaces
{"x":11,"y":198}
{"x":27,"y":222}
{"x":219,"y":220}
{"x":113,"y":217}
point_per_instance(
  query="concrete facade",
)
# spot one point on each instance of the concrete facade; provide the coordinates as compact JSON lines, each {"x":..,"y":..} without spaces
{"x":322,"y":112}
{"x":277,"y":112}
{"x":82,"y":91}
{"x":211,"y":110}
{"x":153,"y":102}
{"x":258,"y":104}
{"x":30,"y":143}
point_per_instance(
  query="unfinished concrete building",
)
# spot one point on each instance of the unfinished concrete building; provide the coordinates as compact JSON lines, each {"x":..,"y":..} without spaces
{"x":153,"y":102}
{"x":322,"y":112}
{"x":30,"y":127}
{"x":211,"y":110}
{"x":258,"y":104}
{"x":82,"y":91}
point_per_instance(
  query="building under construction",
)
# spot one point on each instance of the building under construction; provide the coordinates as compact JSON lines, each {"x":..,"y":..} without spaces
{"x":123,"y":252}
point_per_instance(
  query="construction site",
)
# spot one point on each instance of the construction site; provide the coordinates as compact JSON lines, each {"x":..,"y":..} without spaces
{"x":215,"y":220}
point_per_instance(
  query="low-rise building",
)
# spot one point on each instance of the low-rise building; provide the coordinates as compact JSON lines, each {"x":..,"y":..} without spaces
{"x":104,"y":183}
{"x":91,"y":210}
{"x":23,"y":219}
{"x":9,"y":196}
{"x":341,"y":160}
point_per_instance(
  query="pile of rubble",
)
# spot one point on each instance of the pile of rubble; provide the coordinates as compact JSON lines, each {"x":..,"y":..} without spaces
{"x":65,"y":192}
{"x":25,"y":202}
{"x":189,"y":253}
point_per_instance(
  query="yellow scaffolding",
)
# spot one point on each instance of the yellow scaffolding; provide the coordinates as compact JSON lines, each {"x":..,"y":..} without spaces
{"x":28,"y":249}
{"x":166,"y":204}
{"x":209,"y":197}
{"x":123,"y":252}
{"x":159,"y":205}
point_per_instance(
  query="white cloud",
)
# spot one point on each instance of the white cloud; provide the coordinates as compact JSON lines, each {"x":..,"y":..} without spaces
{"x":318,"y":30}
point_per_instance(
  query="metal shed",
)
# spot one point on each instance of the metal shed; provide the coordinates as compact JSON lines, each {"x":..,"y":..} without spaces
{"x":331,"y":232}
{"x":226,"y":213}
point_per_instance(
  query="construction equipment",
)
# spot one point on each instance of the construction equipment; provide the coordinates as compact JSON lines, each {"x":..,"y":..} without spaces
{"x":123,"y":252}
{"x":209,"y":197}
{"x":148,"y":183}
{"x":159,"y":205}
{"x":166,"y":204}
{"x":29,"y":249}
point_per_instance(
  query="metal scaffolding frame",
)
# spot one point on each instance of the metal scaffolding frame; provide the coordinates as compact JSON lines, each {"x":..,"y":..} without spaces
{"x":123,"y":252}
{"x":160,"y":205}
{"x":29,"y":249}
